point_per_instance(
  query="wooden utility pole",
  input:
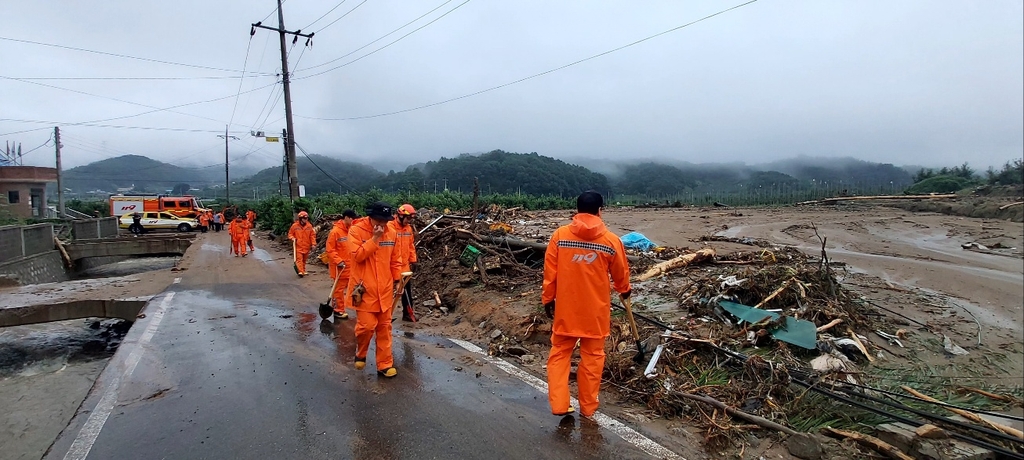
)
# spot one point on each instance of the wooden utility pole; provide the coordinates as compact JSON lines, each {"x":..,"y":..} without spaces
{"x":293,"y":173}
{"x":60,"y":175}
{"x":227,"y":179}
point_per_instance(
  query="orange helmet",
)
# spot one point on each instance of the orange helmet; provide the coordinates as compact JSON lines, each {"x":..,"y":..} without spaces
{"x":303,"y":214}
{"x":406,"y":210}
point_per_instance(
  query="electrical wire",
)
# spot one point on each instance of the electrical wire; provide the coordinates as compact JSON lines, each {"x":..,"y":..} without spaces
{"x":44,"y":144}
{"x":342,"y":16}
{"x":377,"y":40}
{"x":324,"y":15}
{"x":205,"y":77}
{"x":97,"y":125}
{"x":125,"y":56}
{"x":580,"y":61}
{"x":389,"y":44}
{"x":329,"y":176}
{"x":238,"y":93}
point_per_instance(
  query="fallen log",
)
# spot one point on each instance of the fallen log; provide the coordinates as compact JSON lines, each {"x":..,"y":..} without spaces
{"x":759,"y":421}
{"x":63,"y":253}
{"x":967,"y":415}
{"x":872,"y":442}
{"x":678,"y":262}
{"x":990,"y":395}
{"x":877,"y":197}
{"x":1010,"y":205}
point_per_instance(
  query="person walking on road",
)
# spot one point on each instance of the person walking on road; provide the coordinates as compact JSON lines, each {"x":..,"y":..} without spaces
{"x":239,"y":230}
{"x":405,"y":245}
{"x":218,"y":221}
{"x":250,"y":217}
{"x":304,"y":236}
{"x":576,"y":294}
{"x":339,"y":260}
{"x":376,"y":271}
{"x":204,"y":222}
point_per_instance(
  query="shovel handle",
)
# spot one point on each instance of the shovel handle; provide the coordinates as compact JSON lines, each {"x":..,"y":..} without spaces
{"x":628,"y":303}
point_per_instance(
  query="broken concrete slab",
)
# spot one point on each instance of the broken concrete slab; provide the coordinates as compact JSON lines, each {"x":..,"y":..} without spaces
{"x":949,"y":449}
{"x":899,"y":435}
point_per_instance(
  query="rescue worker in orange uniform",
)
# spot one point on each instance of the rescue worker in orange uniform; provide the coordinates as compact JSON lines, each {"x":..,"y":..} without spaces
{"x":250,"y":217}
{"x":304,"y":236}
{"x":239,"y":231}
{"x":405,"y":244}
{"x":339,"y":261}
{"x":376,"y":271}
{"x":204,"y":221}
{"x":577,"y":294}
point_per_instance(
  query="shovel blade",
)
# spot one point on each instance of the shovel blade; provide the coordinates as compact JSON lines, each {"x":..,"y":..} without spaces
{"x":326,"y":310}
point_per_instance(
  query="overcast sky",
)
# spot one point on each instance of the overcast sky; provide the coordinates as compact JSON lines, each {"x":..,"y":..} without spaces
{"x":906,"y":82}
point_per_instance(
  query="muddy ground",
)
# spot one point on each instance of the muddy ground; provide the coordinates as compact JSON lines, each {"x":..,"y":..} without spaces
{"x":913,"y":264}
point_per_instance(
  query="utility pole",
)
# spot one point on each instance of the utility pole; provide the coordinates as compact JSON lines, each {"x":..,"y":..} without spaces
{"x":60,"y":175}
{"x":293,"y":172}
{"x":227,"y":180}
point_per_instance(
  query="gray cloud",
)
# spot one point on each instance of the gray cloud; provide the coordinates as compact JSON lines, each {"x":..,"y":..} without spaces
{"x":920,"y":82}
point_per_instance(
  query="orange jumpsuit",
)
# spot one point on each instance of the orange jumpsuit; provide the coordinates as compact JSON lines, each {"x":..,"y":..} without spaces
{"x":305,"y":239}
{"x":376,"y":266}
{"x":204,"y":222}
{"x":250,"y":217}
{"x":336,"y":254}
{"x":405,"y":245}
{"x":239,"y":230}
{"x":578,"y":260}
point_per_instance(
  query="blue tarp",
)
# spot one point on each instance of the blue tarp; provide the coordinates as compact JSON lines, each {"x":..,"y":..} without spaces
{"x":637,"y":241}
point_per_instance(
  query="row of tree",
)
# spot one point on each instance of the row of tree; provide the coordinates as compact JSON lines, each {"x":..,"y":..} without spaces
{"x":949,"y":180}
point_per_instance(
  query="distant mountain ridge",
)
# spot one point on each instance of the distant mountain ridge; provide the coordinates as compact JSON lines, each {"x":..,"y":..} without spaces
{"x":144,"y":173}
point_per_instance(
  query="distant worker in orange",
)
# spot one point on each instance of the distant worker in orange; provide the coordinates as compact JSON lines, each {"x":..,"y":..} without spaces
{"x":577,"y":294}
{"x":339,"y":261}
{"x":250,"y":217}
{"x":239,"y":230}
{"x":304,"y":236}
{"x":376,"y":269}
{"x":204,"y":222}
{"x":405,"y":245}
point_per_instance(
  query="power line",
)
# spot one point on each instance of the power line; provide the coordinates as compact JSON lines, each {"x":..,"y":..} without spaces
{"x":240,"y":80}
{"x":125,"y":56}
{"x":106,"y":97}
{"x":342,"y":16}
{"x":377,"y":40}
{"x":97,"y":125}
{"x":580,"y":61}
{"x":205,"y":77}
{"x":44,"y":144}
{"x":248,"y":98}
{"x":329,"y":176}
{"x":385,"y":46}
{"x":323,"y":15}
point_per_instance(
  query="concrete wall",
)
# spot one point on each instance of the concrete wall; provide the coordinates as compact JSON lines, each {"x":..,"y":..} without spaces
{"x":25,"y":240}
{"x":47,"y":267}
{"x":94,"y":228}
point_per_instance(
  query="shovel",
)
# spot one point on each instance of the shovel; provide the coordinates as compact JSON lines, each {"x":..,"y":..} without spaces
{"x":628,"y":303}
{"x":326,"y":309}
{"x":295,"y":259}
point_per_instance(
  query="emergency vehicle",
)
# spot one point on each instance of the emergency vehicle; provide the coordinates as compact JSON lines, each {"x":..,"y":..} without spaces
{"x":182,"y":206}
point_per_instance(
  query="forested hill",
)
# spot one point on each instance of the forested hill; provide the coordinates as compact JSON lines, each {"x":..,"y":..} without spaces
{"x":146,"y":174}
{"x":337,"y":176}
{"x":500,"y":172}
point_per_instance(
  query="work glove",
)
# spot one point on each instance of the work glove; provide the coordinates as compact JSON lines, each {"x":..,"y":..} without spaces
{"x":549,"y":309}
{"x":412,"y":266}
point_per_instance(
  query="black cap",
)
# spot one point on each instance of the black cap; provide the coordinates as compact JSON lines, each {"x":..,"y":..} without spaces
{"x":380,"y":211}
{"x":349,"y":213}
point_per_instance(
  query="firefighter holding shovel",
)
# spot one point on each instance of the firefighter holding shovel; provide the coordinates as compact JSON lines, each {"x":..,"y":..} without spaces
{"x":577,"y":295}
{"x":303,"y":238}
{"x":376,"y":275}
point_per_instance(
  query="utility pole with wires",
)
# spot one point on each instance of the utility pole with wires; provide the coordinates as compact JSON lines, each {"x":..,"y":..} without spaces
{"x":60,"y":174}
{"x":293,"y":173}
{"x":227,"y":179}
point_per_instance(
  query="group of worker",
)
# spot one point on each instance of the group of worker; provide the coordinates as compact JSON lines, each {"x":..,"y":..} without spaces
{"x":371,"y":258}
{"x":238,"y":229}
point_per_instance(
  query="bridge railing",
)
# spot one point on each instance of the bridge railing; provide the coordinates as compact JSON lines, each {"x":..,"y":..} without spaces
{"x":88,"y":229}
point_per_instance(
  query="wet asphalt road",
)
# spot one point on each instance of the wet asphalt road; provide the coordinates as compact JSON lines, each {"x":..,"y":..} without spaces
{"x":240,"y":366}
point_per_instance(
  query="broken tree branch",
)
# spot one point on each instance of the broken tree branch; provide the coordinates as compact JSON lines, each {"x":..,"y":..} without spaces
{"x":759,"y":421}
{"x":967,"y":415}
{"x":997,"y":397}
{"x":872,"y":442}
{"x":678,"y":262}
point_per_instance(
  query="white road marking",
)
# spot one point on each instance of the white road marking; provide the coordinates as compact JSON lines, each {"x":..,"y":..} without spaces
{"x":176,"y":280}
{"x":94,"y":424}
{"x":626,"y":433}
